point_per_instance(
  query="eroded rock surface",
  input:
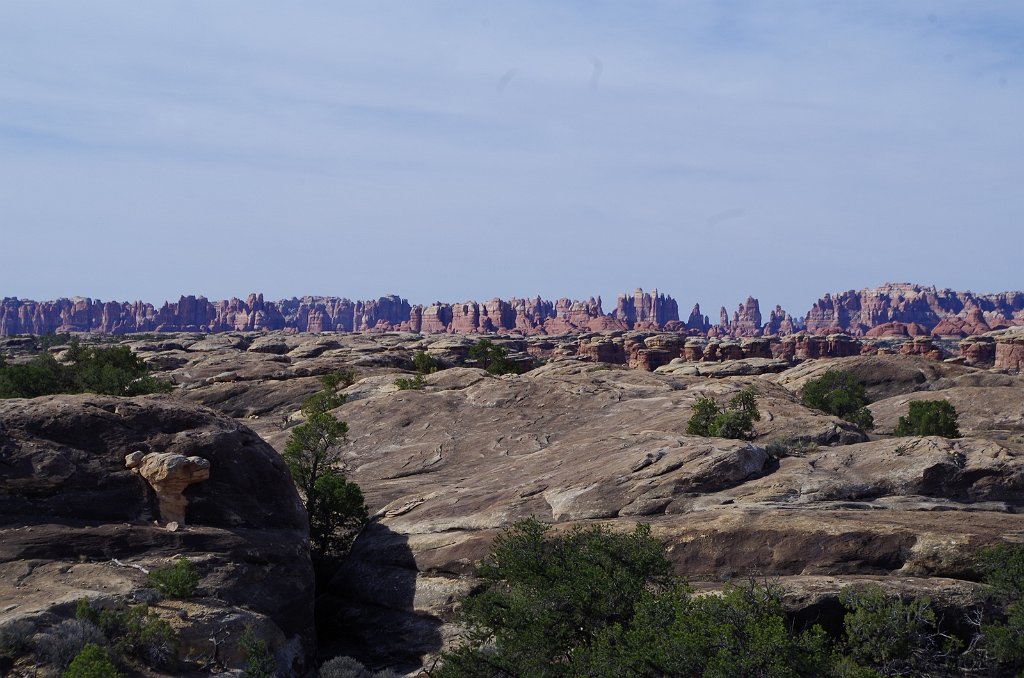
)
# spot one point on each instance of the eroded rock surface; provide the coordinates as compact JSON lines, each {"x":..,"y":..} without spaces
{"x":446,"y":468}
{"x":169,"y":474}
{"x":75,"y":522}
{"x":580,"y":438}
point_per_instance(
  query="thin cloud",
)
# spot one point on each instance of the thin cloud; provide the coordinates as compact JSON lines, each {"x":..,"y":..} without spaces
{"x":237,"y":146}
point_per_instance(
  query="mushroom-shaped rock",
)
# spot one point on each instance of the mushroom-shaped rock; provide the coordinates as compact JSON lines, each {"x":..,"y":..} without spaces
{"x":169,"y":474}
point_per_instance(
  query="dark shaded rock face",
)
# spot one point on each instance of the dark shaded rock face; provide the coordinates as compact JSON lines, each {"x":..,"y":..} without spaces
{"x":66,"y":497}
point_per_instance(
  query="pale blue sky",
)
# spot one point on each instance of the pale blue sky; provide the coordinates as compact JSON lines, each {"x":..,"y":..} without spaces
{"x":456,"y":150}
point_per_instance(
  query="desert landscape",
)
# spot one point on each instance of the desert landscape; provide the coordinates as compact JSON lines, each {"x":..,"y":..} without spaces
{"x":323,"y":352}
{"x":585,"y":428}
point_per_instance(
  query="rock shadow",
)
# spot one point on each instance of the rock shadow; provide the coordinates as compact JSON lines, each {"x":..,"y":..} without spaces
{"x":367,"y":610}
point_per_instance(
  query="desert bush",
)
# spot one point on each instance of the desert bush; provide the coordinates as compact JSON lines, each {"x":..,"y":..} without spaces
{"x":790,"y":447}
{"x":741,"y":633}
{"x":414,"y":384}
{"x":16,"y":638}
{"x":929,"y":418}
{"x":492,"y":357}
{"x":736,"y":421}
{"x":1003,"y":570}
{"x":592,"y":602}
{"x":891,"y":636}
{"x":328,"y":398}
{"x":425,"y":363}
{"x":841,"y":394}
{"x":702,"y":416}
{"x":175,"y":581}
{"x":110,"y":371}
{"x":542,"y":598}
{"x":49,"y":340}
{"x":138,"y":633}
{"x":259,"y":660}
{"x":344,"y":667}
{"x":92,"y":662}
{"x":58,"y":646}
{"x":345,"y":377}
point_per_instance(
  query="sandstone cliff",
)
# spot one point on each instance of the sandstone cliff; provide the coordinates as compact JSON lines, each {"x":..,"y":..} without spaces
{"x":938,"y":311}
{"x":889,"y":310}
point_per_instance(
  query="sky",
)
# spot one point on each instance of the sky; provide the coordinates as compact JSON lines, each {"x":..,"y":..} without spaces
{"x":469,"y":150}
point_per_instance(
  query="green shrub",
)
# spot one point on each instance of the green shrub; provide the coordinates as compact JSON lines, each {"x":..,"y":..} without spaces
{"x":892,"y":636}
{"x":138,"y":633}
{"x":49,"y":340}
{"x":591,"y":602}
{"x":929,"y":418}
{"x":344,"y":377}
{"x":425,"y":363}
{"x":110,"y":371}
{"x":542,"y":599}
{"x":702,"y":417}
{"x":491,"y":357}
{"x":415,"y":384}
{"x":334,"y":505}
{"x":1003,"y":569}
{"x":741,"y":633}
{"x":175,"y":581}
{"x":337,"y":512}
{"x":841,"y":394}
{"x":259,"y":660}
{"x":92,"y":662}
{"x":708,"y":419}
{"x":328,"y":398}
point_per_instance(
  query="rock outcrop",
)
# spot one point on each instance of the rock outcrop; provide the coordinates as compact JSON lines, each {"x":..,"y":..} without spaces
{"x":1010,"y":351}
{"x":944,"y":312}
{"x":890,"y":310}
{"x":74,"y":521}
{"x":169,"y":474}
{"x":572,"y":442}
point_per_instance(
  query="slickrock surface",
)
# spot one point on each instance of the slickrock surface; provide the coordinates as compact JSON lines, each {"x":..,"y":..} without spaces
{"x":447,"y":467}
{"x":596,"y":432}
{"x":74,"y":521}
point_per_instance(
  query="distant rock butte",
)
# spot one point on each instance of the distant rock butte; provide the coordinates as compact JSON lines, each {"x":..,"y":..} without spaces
{"x":904,"y":309}
{"x":891,"y":310}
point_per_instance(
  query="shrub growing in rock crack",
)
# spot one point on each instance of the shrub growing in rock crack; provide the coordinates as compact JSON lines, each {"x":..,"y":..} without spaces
{"x":334,"y":504}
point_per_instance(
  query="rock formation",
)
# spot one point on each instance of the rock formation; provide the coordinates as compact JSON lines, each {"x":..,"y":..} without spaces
{"x":1010,"y":350}
{"x":169,"y":474}
{"x":887,"y":311}
{"x":70,"y":511}
{"x":937,"y":311}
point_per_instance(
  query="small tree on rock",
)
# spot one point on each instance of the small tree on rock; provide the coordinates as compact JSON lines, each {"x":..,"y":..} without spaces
{"x":491,"y":357}
{"x":335,"y":505}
